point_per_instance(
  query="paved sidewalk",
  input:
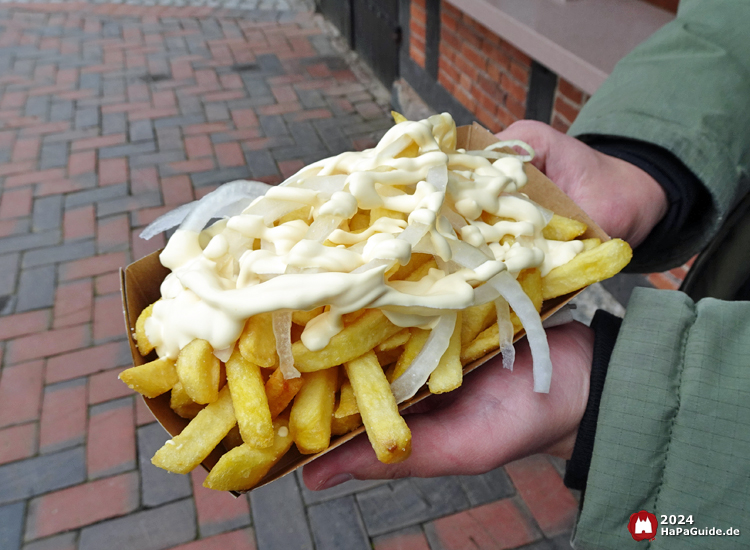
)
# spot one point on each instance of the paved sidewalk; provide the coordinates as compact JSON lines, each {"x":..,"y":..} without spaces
{"x":109,"y":116}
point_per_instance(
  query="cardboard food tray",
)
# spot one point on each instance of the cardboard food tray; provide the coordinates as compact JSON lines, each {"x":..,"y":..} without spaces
{"x":140,"y":282}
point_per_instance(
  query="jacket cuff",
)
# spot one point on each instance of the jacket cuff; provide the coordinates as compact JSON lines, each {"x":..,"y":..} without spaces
{"x":686,"y":196}
{"x":606,"y":328}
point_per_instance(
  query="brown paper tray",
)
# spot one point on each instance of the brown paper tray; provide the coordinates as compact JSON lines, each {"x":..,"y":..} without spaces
{"x":140,"y":282}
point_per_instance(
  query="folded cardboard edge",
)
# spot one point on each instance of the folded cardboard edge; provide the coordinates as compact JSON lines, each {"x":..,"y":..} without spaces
{"x":141,"y":280}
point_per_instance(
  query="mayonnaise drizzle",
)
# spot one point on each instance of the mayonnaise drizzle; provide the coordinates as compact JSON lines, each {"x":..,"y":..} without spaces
{"x":255,"y":262}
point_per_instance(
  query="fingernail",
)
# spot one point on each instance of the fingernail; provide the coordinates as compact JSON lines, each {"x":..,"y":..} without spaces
{"x":338,"y":479}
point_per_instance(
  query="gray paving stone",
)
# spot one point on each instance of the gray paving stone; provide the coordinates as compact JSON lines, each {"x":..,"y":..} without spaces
{"x":157,"y":486}
{"x":11,"y":525}
{"x":9,"y":264}
{"x":127,"y":150}
{"x":305,"y":134}
{"x":36,"y":288}
{"x":44,"y":473}
{"x":28,"y":241}
{"x":71,"y":135}
{"x":47,"y":213}
{"x":61,"y":253}
{"x":261,"y":163}
{"x":90,"y":81}
{"x":485,"y":488}
{"x":217,"y":177}
{"x":273,"y":125}
{"x":182,"y":120}
{"x":126,"y":204}
{"x":154,"y":529}
{"x":81,"y":198}
{"x":216,"y":112}
{"x":344,"y":489}
{"x":141,"y":130}
{"x":152,"y":159}
{"x":311,"y":99}
{"x":169,"y":139}
{"x":299,"y":151}
{"x":37,"y":106}
{"x":410,"y":501}
{"x":66,"y":540}
{"x":53,"y":155}
{"x":337,"y":525}
{"x":85,"y":118}
{"x":114,"y":123}
{"x":274,"y":530}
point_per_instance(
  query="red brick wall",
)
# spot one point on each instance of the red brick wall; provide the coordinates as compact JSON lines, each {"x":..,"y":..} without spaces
{"x":484,"y":73}
{"x":417,"y":31}
{"x":568,"y":103}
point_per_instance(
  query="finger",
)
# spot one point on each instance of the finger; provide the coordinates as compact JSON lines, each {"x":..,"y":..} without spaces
{"x":459,"y":438}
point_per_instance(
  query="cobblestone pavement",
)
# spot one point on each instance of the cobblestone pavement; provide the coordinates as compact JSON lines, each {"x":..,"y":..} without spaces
{"x":109,"y":116}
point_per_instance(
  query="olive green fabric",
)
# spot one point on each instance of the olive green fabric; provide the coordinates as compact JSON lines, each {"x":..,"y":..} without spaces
{"x":673,"y":435}
{"x":686,"y":89}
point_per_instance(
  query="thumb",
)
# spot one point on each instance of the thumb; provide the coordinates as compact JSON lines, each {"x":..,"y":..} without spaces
{"x":537,"y":134}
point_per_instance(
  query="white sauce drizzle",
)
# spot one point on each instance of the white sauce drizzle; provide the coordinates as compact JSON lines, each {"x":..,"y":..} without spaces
{"x":251,"y":263}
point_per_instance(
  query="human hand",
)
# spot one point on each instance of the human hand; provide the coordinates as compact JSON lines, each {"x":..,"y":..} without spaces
{"x":623,"y":199}
{"x":494,"y":418}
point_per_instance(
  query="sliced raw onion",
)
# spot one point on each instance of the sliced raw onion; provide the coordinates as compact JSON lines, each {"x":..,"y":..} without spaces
{"x":273,"y":209}
{"x":222,"y":197}
{"x":466,"y":255}
{"x":455,"y":219}
{"x":406,"y":385}
{"x":437,"y":176}
{"x":505,"y":330}
{"x":372,"y":264}
{"x":322,"y":227}
{"x":485,"y":293}
{"x":166,"y":221}
{"x":511,"y":290}
{"x":414,"y":233}
{"x":282,"y":326}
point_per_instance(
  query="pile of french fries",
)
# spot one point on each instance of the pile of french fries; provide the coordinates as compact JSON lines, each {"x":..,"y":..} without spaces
{"x":246,"y":406}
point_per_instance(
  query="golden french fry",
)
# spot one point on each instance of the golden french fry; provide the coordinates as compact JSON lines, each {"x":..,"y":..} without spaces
{"x":561,"y":228}
{"x":448,"y":375}
{"x":395,"y":341}
{"x":250,"y":402}
{"x":299,"y":214}
{"x":389,"y":357}
{"x":389,"y":435}
{"x":360,"y":221}
{"x":151,"y":379}
{"x":310,"y":418}
{"x":411,"y":350}
{"x":281,"y":391}
{"x":380,"y":212}
{"x":257,"y":342}
{"x":593,"y":242}
{"x":347,"y":401}
{"x":141,"y":340}
{"x":199,"y":371}
{"x":244,"y":466}
{"x":181,"y":403}
{"x":304,"y":317}
{"x":185,"y":451}
{"x":364,"y":334}
{"x":398,"y":117}
{"x":344,"y":425}
{"x":531,"y":282}
{"x":475,"y":319}
{"x":587,"y":268}
{"x":417,"y":260}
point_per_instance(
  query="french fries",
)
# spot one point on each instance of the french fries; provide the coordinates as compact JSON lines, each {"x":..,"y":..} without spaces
{"x":245,"y":399}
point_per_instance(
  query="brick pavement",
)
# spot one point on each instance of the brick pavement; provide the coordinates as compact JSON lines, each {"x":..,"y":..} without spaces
{"x":109,"y":116}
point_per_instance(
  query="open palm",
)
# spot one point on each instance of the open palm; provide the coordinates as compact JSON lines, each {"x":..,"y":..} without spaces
{"x":494,"y":418}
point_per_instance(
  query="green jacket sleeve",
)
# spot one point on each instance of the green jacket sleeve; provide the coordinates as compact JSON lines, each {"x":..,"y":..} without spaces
{"x":673,"y":435}
{"x":686,"y":89}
